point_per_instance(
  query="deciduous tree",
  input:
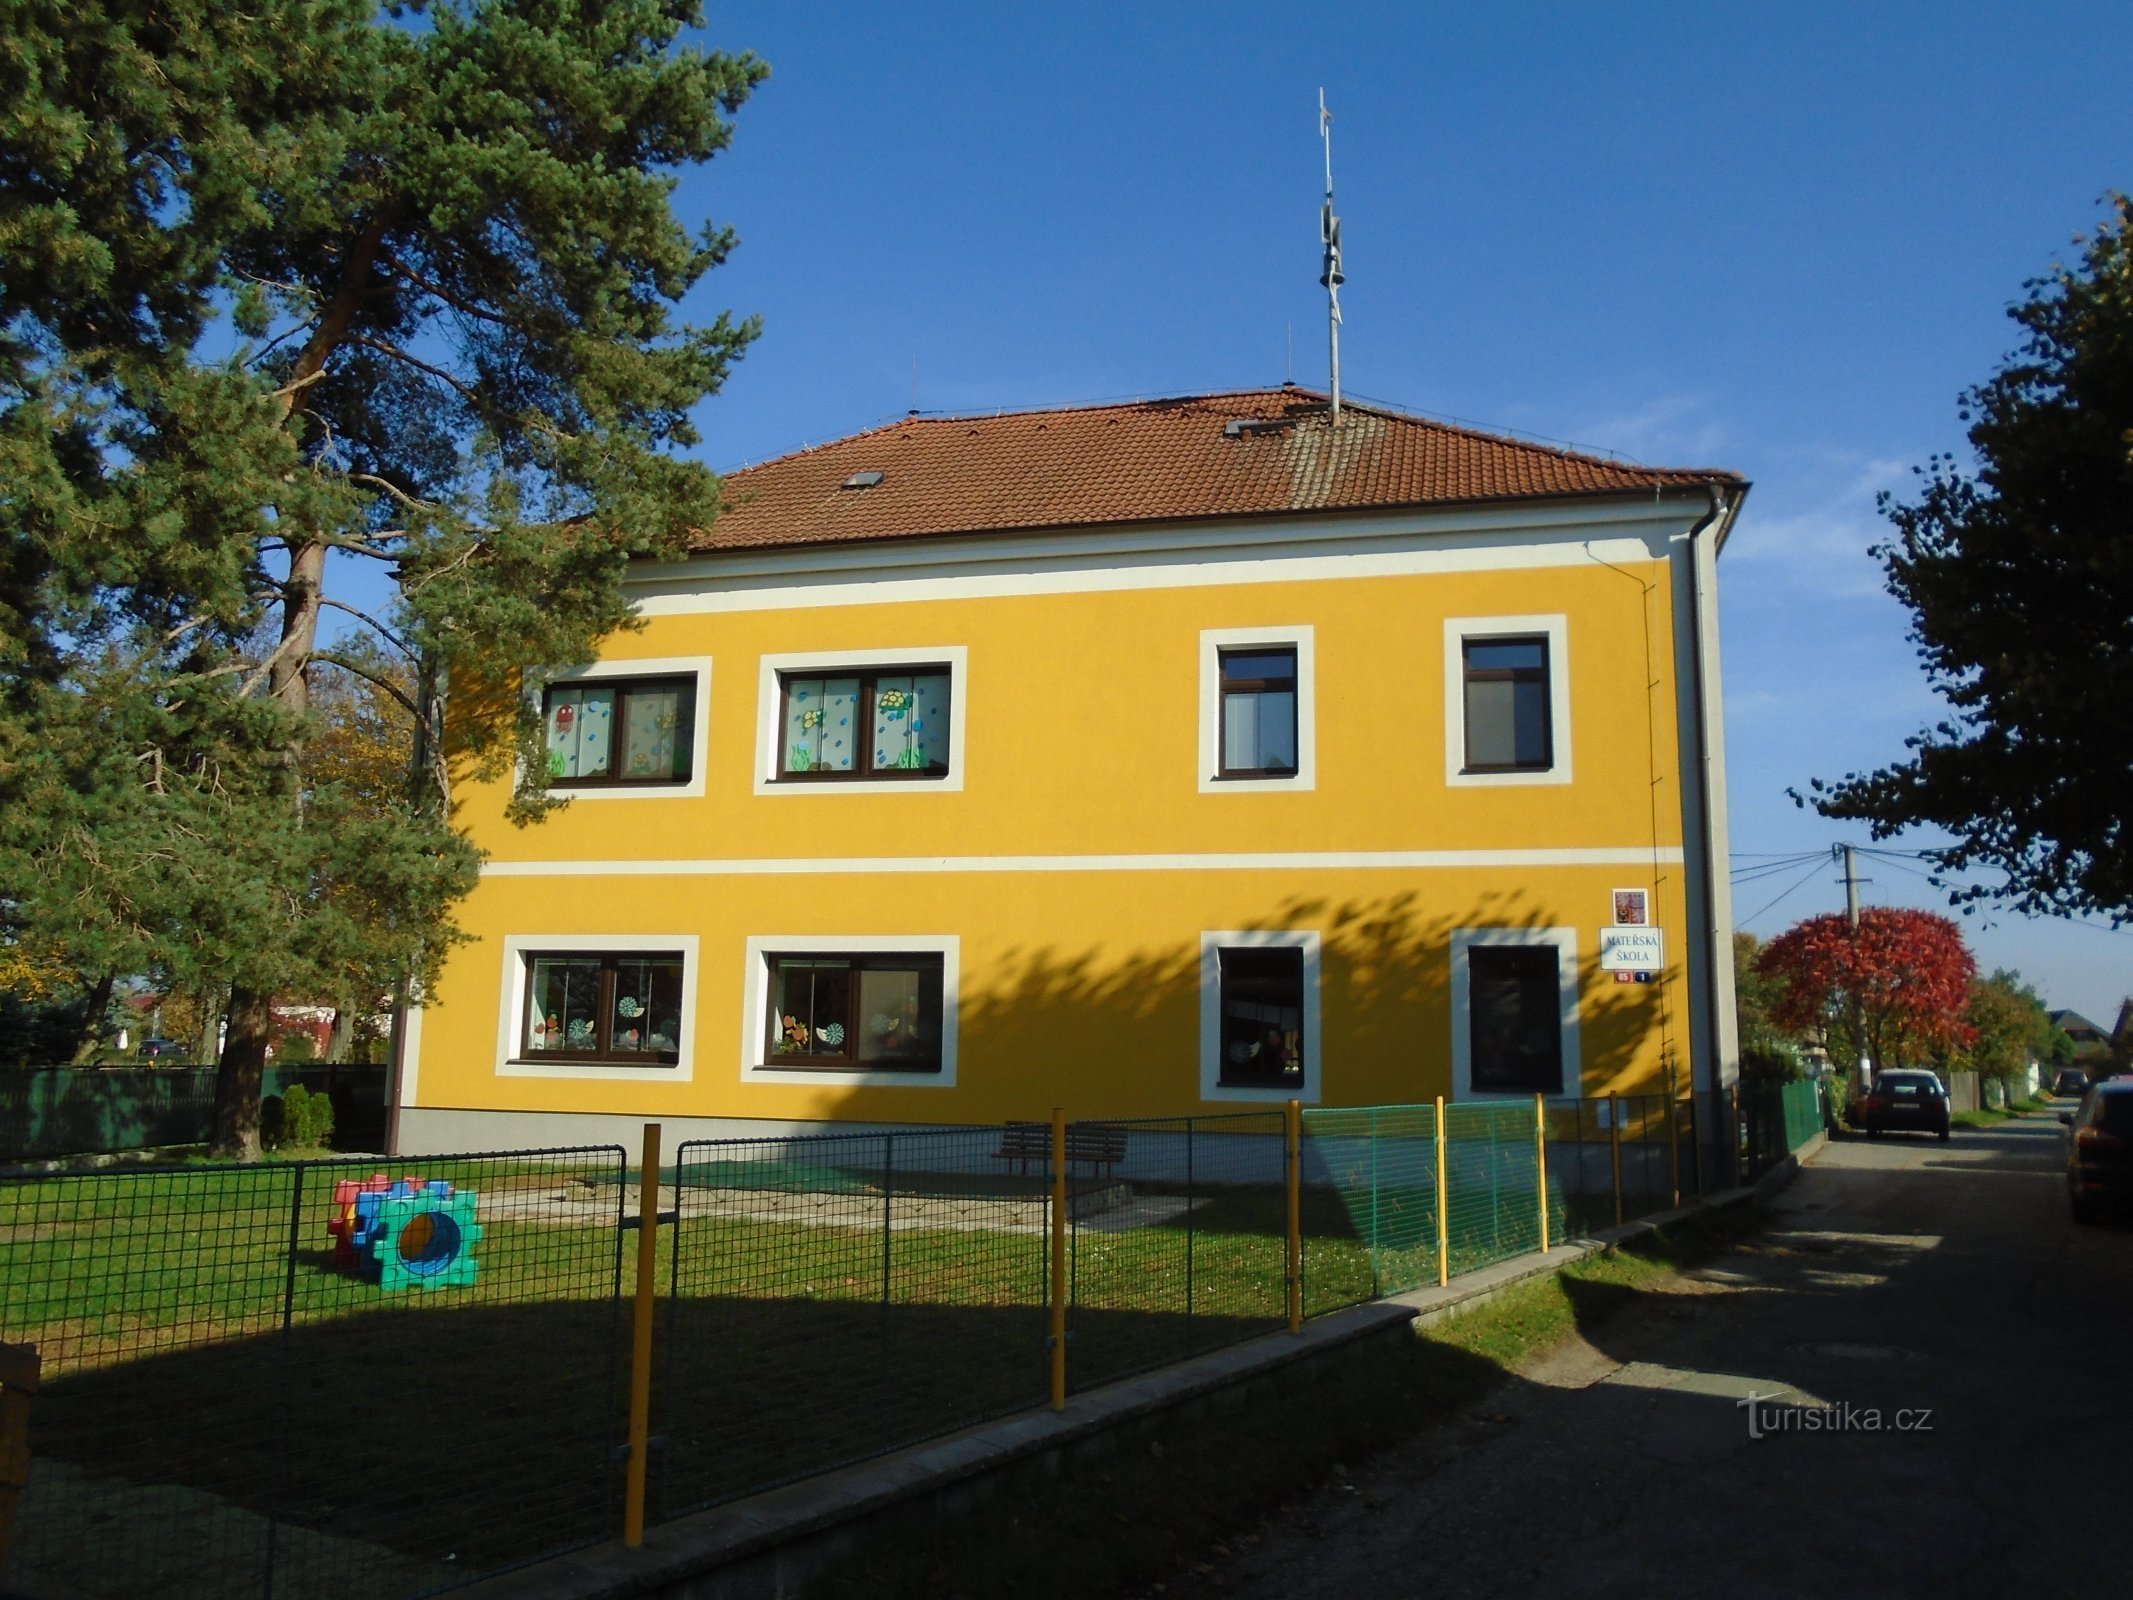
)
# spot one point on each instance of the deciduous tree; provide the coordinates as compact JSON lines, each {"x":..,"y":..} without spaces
{"x":318,"y":318}
{"x":2019,"y":579}
{"x":1904,"y":975}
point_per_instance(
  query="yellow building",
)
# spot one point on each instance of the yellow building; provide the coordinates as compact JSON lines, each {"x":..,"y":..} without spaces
{"x":1146,"y":760}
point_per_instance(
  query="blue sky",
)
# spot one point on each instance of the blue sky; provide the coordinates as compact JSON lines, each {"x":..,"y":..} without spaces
{"x":1778,"y":239}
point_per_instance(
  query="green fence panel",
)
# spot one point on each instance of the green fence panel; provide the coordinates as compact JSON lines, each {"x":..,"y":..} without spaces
{"x":1379,"y":1165}
{"x":68,"y":1111}
{"x":1493,"y":1159}
{"x":1803,"y":1113}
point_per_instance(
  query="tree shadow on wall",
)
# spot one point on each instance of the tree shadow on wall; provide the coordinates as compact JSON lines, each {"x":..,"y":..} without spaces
{"x":1385,"y":1003}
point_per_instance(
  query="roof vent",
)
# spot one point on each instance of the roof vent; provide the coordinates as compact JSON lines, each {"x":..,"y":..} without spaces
{"x":863,"y":480}
{"x":1252,"y":427}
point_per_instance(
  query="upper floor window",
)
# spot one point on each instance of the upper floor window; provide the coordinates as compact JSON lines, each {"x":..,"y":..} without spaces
{"x":1259,"y":713}
{"x":886,"y":723}
{"x":1507,"y":722}
{"x":1506,"y":700}
{"x":1256,"y":721}
{"x":620,"y":730}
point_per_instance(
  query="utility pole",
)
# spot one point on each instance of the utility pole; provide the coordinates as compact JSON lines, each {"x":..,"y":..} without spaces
{"x":1852,"y":880}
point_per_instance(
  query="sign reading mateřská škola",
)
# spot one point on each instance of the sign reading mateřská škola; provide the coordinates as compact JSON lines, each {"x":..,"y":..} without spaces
{"x":1632,"y":950}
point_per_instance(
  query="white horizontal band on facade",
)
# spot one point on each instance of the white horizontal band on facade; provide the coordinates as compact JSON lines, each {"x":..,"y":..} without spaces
{"x":1240,"y":861}
{"x":1252,"y":551}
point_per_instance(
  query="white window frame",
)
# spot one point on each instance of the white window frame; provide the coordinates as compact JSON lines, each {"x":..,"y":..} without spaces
{"x":1312,"y":943}
{"x":511,"y":1013}
{"x":756,"y":1004}
{"x":1565,"y":941}
{"x":1213,"y":641}
{"x":1458,"y":633}
{"x":699,"y":667}
{"x":770,"y":716}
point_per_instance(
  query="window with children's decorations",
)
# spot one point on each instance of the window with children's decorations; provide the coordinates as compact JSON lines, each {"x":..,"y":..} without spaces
{"x":624,"y":1009}
{"x":887,"y":724}
{"x":620,"y":731}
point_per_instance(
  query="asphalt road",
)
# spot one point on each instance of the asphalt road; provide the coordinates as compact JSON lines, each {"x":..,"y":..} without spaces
{"x":1947,"y":1410}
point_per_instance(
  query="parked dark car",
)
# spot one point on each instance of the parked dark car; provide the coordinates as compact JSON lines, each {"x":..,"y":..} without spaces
{"x":2099,"y":1149}
{"x":2071,"y":1080}
{"x":165,"y":1050}
{"x":1913,"y":1101}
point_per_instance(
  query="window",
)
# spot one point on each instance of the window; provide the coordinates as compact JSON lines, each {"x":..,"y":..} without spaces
{"x":615,"y":731}
{"x":880,"y":724}
{"x":857,"y":1012}
{"x":1506,"y":700}
{"x":1514,"y":998}
{"x":1259,"y":1037}
{"x":1256,"y":733}
{"x":620,"y":1007}
{"x":1258,"y":713}
{"x":1262,"y":1018}
{"x":1507,"y":720}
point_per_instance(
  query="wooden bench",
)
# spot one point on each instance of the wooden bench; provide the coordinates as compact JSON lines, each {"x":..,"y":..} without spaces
{"x":1101,"y":1145}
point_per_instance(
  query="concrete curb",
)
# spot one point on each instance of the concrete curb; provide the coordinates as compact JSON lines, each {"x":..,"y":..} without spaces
{"x":768,"y":1546}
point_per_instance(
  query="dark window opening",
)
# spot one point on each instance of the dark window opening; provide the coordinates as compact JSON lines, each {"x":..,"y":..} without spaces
{"x":1262,"y":1007}
{"x":1515,"y":1004}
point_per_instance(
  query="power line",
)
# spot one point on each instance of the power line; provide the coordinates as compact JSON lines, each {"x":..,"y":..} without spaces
{"x":1814,"y":867}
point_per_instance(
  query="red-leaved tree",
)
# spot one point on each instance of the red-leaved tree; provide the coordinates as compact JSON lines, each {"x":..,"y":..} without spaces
{"x":1909,"y":972}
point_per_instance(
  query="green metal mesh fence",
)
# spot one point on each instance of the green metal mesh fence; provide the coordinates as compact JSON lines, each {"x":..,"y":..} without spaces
{"x":230,"y":1408}
{"x":1179,"y":1245}
{"x":1378,"y":1165}
{"x":836,"y":1297}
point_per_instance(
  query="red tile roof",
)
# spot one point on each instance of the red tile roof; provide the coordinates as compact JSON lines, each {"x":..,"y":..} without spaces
{"x":1149,"y":461}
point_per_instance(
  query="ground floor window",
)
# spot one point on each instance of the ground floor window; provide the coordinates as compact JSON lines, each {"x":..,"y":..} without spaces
{"x":1259,"y":1037}
{"x":855,"y":1011}
{"x":1515,"y":1012}
{"x":1262,"y":1005}
{"x":620,"y":1007}
{"x":1514,"y":997}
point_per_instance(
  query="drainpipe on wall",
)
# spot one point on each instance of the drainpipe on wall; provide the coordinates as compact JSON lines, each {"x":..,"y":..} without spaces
{"x":1721,"y":1043}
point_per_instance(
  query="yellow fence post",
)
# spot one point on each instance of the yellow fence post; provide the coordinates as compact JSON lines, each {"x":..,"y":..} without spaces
{"x":641,"y":1336}
{"x":1294,"y":1255}
{"x":1614,"y":1146}
{"x":1444,"y":1203}
{"x":1059,"y":1257}
{"x":19,"y":1368}
{"x":1540,"y":1161}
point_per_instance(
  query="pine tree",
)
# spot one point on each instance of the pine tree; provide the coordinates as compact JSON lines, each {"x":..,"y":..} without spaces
{"x":289,"y":294}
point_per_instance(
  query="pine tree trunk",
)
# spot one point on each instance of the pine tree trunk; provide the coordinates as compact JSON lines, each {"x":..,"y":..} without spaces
{"x":90,"y":1040}
{"x":343,"y":1033}
{"x":242,"y":1072}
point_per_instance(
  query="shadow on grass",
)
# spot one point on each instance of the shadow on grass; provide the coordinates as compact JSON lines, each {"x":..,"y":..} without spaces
{"x":455,"y":1441}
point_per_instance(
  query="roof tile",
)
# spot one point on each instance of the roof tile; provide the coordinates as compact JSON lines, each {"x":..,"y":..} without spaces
{"x":1149,"y":461}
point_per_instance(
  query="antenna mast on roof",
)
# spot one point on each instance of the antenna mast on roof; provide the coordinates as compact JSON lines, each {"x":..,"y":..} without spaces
{"x":1329,"y":232}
